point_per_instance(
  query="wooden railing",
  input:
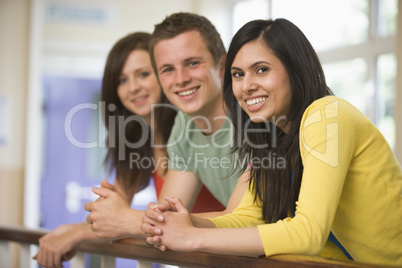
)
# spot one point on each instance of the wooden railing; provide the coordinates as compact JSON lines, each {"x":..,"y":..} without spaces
{"x":146,"y":255}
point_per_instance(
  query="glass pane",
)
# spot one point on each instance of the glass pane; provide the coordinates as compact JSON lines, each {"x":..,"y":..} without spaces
{"x":347,"y":80}
{"x":327,"y":24}
{"x":244,"y":11}
{"x":386,"y":71}
{"x":387,"y":16}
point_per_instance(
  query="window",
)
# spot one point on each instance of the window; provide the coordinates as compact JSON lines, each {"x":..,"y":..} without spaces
{"x":327,"y":24}
{"x":347,"y":79}
{"x":386,"y":76}
{"x":387,"y":15}
{"x":244,"y":11}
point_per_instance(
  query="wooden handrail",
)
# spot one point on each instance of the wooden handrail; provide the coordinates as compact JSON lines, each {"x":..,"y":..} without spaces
{"x":139,"y":250}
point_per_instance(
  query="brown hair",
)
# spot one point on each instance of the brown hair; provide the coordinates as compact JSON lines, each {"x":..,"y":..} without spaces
{"x":178,"y":23}
{"x":119,"y":135}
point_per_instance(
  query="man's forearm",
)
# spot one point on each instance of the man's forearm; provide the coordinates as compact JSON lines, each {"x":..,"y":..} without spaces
{"x":133,"y":226}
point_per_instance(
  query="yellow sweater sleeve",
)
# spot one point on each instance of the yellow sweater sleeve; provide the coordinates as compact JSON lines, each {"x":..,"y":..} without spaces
{"x":246,"y":214}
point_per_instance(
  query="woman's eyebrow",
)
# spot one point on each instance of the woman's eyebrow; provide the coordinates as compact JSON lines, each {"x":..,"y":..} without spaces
{"x":259,"y":62}
{"x":252,"y":65}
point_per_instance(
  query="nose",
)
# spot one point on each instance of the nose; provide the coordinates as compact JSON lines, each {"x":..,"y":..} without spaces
{"x":182,"y":76}
{"x":248,"y":84}
{"x":134,"y":85}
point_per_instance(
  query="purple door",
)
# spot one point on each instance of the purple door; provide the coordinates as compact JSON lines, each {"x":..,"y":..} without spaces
{"x":73,"y":153}
{"x":69,"y":168}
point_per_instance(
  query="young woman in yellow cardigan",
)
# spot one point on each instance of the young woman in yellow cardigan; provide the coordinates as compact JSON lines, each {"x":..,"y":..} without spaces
{"x":320,"y":170}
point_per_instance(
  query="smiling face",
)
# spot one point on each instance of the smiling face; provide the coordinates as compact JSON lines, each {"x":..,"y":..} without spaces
{"x":138,"y":86}
{"x":260,"y":83}
{"x":189,"y":77}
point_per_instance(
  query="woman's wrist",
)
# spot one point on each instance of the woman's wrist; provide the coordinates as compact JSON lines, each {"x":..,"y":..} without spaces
{"x":83,"y":232}
{"x":197,"y":239}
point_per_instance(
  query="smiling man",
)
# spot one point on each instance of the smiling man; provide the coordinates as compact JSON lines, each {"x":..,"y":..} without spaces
{"x":188,"y":57}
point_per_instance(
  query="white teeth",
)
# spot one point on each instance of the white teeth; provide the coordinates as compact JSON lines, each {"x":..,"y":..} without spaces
{"x":139,"y":99}
{"x":187,"y":92}
{"x":256,"y":101}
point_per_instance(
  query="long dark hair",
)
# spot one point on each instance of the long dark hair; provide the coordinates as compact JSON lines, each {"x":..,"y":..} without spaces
{"x":120,"y":136}
{"x":277,"y":186}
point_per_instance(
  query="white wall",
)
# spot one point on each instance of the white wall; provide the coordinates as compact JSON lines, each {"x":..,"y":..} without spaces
{"x":79,"y":48}
{"x":14,"y":16}
{"x":14,"y":32}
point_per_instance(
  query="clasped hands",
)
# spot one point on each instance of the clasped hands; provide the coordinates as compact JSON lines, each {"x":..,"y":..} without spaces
{"x":168,"y":225}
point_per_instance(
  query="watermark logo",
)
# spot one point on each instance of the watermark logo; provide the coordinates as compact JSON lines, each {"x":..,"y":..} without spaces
{"x":329,"y":155}
{"x":189,"y":127}
{"x":222,"y":139}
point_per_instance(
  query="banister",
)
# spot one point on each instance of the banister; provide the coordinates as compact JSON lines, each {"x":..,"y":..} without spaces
{"x":139,"y":250}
